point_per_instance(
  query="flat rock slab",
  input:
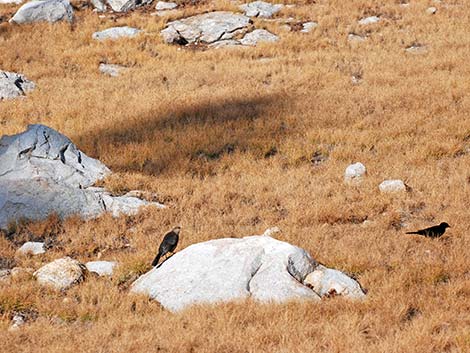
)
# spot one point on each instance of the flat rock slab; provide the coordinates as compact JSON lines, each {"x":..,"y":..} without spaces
{"x":258,"y":36}
{"x":307,"y":27}
{"x":102,"y":268}
{"x":229,"y":269}
{"x":330,"y":282}
{"x":206,"y":28}
{"x":116,"y":33}
{"x":261,"y":9}
{"x":31,"y":248}
{"x":44,"y":10}
{"x":14,"y":85}
{"x":60,"y":274}
{"x":126,"y":5}
{"x":42,"y":173}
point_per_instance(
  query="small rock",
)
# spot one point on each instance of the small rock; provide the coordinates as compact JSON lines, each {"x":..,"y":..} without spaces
{"x":163,"y":5}
{"x":44,"y":10}
{"x":431,"y":10}
{"x":4,"y":275}
{"x":355,"y":172}
{"x":116,"y":32}
{"x":102,"y":268}
{"x":258,"y":36}
{"x":60,"y":274}
{"x":307,"y":27}
{"x":111,"y":69}
{"x":14,"y":85}
{"x":416,"y":49}
{"x":405,"y":5}
{"x":261,"y":9}
{"x":392,"y":186}
{"x":17,"y":322}
{"x":356,"y":79}
{"x":99,"y":5}
{"x":16,"y":2}
{"x":329,"y":282}
{"x":126,"y":5}
{"x":369,"y":20}
{"x":352,"y":37}
{"x":31,"y":248}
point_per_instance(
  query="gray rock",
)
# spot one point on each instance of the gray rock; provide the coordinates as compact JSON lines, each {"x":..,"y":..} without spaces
{"x":228,"y":269}
{"x":369,"y":20}
{"x":261,"y":9}
{"x":60,"y":274}
{"x":99,"y":5}
{"x":416,"y":49}
{"x":44,"y":10}
{"x":111,"y":69}
{"x":354,"y":172}
{"x":163,"y":5}
{"x":307,"y":27}
{"x":206,"y":28}
{"x":326,"y":282}
{"x":31,"y":248}
{"x":42,"y":152}
{"x":42,"y":173}
{"x":17,"y":321}
{"x":116,"y":33}
{"x":392,"y":186}
{"x":258,"y":36}
{"x":13,"y":85}
{"x":126,"y":5}
{"x":431,"y":10}
{"x":102,"y":268}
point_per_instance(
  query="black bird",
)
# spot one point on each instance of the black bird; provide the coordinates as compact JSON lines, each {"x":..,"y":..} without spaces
{"x":432,"y":232}
{"x":169,"y":243}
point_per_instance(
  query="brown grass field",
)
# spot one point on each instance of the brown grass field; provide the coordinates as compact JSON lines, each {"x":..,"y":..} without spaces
{"x":195,"y":127}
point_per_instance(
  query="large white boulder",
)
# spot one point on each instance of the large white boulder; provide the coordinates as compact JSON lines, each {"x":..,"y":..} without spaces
{"x":14,"y":85}
{"x":221,"y":270}
{"x":206,"y":28}
{"x":44,"y":10}
{"x":42,"y":173}
{"x":60,"y":274}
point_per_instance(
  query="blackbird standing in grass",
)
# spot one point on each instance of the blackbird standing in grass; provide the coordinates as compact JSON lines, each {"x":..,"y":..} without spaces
{"x":169,"y":243}
{"x":432,"y":232}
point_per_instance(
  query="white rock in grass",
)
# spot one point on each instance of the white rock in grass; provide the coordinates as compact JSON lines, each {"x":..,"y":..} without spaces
{"x":116,"y":33}
{"x":102,"y":268}
{"x":352,"y":37}
{"x":369,"y":20}
{"x":355,"y":172}
{"x":32,"y":248}
{"x":44,"y":10}
{"x":16,"y":322}
{"x":307,"y":27}
{"x":258,"y":36}
{"x":261,"y":9}
{"x":14,"y":85}
{"x":326,"y":281}
{"x":431,"y":10}
{"x":60,"y":274}
{"x":16,"y":2}
{"x":99,"y":5}
{"x":126,"y":5}
{"x":163,"y":5}
{"x":392,"y":186}
{"x":112,"y":70}
{"x":221,"y":270}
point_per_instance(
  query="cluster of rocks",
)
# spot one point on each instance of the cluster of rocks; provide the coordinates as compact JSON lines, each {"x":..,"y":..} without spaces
{"x":13,"y":85}
{"x":354,"y":174}
{"x":42,"y":173}
{"x":257,"y":267}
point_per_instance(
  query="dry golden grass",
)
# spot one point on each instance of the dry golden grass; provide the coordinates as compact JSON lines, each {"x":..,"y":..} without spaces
{"x":194,"y":127}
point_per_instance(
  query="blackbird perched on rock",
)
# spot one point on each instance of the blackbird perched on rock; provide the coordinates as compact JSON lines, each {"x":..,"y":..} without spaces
{"x":432,"y":232}
{"x":169,"y":243}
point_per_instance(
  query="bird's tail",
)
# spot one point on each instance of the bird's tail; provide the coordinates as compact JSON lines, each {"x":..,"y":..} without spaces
{"x":412,"y":232}
{"x":157,"y":258}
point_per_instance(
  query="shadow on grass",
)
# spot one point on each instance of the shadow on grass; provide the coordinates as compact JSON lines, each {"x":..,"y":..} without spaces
{"x":154,"y":144}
